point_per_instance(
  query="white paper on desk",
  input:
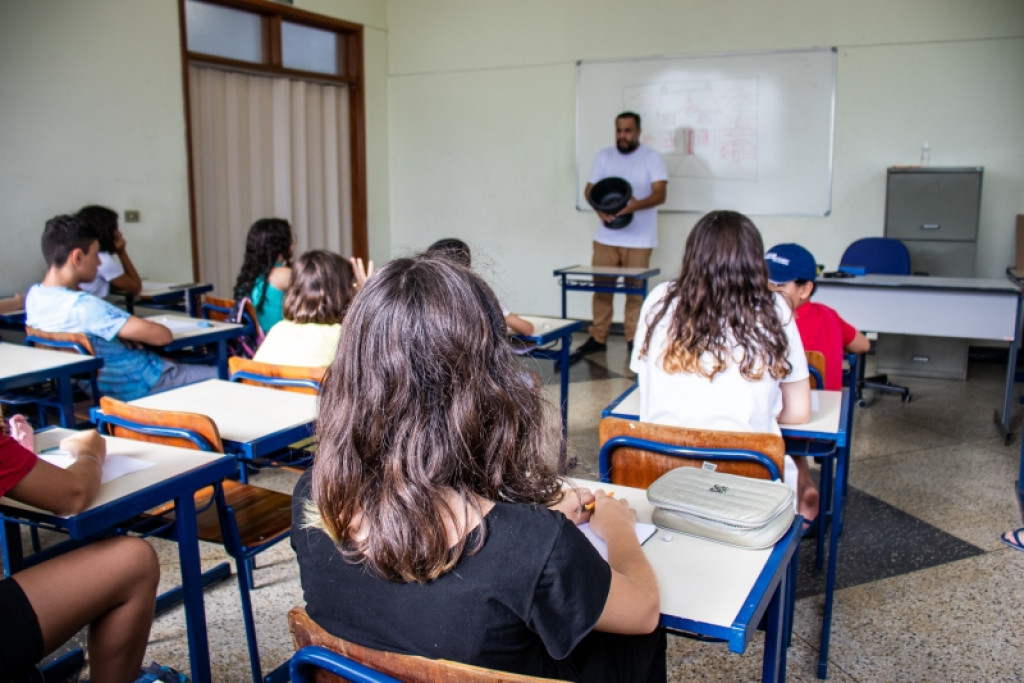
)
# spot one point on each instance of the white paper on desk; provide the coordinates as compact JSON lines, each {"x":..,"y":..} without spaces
{"x":177,"y":324}
{"x":814,"y":401}
{"x":643,"y":532}
{"x":113,"y":467}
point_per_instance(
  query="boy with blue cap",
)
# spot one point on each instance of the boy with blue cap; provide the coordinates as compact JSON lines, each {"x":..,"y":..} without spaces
{"x":791,"y":272}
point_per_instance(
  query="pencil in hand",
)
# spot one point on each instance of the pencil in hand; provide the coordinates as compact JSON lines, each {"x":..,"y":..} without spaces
{"x":589,"y":507}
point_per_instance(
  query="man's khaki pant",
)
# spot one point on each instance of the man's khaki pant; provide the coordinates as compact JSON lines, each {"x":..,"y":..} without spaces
{"x":625,"y":257}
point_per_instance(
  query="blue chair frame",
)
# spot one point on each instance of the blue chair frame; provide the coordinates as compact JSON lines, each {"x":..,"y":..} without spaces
{"x":303,"y":664}
{"x":726,"y":454}
{"x":243,"y":555}
{"x":282,"y":382}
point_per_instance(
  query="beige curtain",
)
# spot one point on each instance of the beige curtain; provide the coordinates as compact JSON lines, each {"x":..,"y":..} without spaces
{"x":267,"y":147}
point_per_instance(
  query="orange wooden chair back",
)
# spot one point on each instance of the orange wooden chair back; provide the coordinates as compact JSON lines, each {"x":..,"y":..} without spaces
{"x":79,"y":338}
{"x":269,"y":370}
{"x":816,"y":360}
{"x":639,"y":468}
{"x":407,"y":668}
{"x":200,"y":424}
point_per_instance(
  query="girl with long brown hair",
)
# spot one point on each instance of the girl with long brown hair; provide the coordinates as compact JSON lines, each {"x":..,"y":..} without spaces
{"x":718,"y":349}
{"x":433,"y":522}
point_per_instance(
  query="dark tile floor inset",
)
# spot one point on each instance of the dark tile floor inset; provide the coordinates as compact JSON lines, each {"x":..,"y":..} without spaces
{"x":879,"y":541}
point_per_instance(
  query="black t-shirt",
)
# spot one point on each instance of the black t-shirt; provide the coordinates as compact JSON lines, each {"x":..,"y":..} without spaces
{"x":520,"y":604}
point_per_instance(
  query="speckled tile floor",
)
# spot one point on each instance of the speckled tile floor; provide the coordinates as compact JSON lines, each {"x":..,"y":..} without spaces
{"x":926,"y":590}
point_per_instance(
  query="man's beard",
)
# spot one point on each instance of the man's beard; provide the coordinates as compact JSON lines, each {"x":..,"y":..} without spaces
{"x":627,"y":147}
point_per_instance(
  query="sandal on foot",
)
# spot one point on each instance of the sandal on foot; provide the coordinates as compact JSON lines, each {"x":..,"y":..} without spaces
{"x":1014,"y":539}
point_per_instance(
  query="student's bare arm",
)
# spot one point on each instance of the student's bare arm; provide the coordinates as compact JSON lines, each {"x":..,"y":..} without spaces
{"x":129,"y":281}
{"x":796,"y":402}
{"x":633,"y":603}
{"x":518,"y":325}
{"x":137,"y":329}
{"x":860,"y":344}
{"x":65,"y":491}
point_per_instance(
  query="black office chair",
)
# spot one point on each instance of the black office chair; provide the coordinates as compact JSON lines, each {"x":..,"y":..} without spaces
{"x":877,"y":256}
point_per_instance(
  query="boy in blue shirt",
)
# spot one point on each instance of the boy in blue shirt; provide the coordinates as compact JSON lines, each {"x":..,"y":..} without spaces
{"x":71,"y":249}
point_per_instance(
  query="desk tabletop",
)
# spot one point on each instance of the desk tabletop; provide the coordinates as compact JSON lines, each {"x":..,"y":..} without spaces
{"x":151,"y":289}
{"x":546,"y":329}
{"x":17,"y":360}
{"x":169,"y":462}
{"x":636,"y":273}
{"x":967,"y":284}
{"x":698,"y":579}
{"x":826,"y":413}
{"x":243,"y":413}
{"x":187,"y":329}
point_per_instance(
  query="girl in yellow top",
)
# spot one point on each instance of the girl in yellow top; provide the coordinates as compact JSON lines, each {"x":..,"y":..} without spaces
{"x":322,"y":286}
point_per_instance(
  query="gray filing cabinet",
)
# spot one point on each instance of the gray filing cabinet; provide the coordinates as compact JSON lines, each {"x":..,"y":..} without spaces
{"x":934,"y":211}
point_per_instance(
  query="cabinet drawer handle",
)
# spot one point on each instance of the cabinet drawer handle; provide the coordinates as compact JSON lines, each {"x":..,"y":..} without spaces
{"x":920,"y":359}
{"x":931,"y":226}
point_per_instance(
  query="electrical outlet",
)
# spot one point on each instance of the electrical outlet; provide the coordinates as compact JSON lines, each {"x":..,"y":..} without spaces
{"x":131,"y":216}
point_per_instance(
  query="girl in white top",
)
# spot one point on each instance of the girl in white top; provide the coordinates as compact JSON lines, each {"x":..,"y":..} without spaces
{"x":718,"y":349}
{"x":322,"y":287}
{"x":116,"y":269}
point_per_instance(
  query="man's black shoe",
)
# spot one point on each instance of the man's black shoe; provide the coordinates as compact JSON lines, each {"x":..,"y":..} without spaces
{"x":590,"y":346}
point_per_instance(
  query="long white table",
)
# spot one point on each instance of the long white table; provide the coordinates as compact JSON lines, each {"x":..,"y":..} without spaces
{"x":965,"y":308}
{"x":176,"y":475}
{"x":716,"y":590}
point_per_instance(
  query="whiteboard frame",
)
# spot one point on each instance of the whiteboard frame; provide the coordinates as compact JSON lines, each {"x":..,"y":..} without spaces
{"x":582,"y":174}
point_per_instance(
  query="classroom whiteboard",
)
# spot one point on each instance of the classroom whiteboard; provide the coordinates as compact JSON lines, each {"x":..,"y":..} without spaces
{"x":750,"y":132}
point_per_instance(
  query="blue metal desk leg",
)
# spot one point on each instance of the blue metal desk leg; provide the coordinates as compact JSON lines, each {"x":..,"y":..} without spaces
{"x":842,"y":456}
{"x":563,"y":296}
{"x":222,"y":359}
{"x":67,"y":402}
{"x":1020,"y":483}
{"x":773,"y":666}
{"x":563,"y":360}
{"x":186,"y":534}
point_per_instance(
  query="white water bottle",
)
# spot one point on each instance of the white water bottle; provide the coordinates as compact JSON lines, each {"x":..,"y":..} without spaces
{"x":926,"y":153}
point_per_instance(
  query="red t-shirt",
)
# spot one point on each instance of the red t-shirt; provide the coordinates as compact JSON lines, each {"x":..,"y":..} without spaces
{"x":821,"y":329}
{"x":15,"y":463}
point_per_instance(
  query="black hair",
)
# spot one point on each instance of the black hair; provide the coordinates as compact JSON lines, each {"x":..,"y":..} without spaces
{"x":104,"y":220}
{"x":452,"y":249}
{"x":630,"y":115}
{"x":62,"y":235}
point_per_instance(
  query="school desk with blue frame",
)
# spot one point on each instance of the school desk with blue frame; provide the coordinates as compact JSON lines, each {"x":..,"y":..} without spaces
{"x":176,"y":475}
{"x":190,"y":333}
{"x":176,"y":297}
{"x":604,"y":279}
{"x":547,"y":333}
{"x":963,"y":308}
{"x":718,"y":591}
{"x":831,"y":420}
{"x":254,"y":422}
{"x":23,"y":366}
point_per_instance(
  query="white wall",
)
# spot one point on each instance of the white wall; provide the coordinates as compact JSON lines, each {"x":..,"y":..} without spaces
{"x":92,"y":111}
{"x":482,"y":97}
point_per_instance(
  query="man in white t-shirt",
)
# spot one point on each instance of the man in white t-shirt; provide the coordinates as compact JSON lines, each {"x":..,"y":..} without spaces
{"x":630,"y":246}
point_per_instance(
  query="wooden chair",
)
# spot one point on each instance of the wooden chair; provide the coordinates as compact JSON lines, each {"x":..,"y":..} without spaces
{"x":816,"y":365}
{"x":223,"y":310}
{"x":245,"y":519}
{"x":636,"y":453}
{"x":305,"y":380}
{"x":407,"y":668}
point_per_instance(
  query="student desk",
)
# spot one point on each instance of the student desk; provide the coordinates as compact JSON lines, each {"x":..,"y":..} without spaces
{"x":13,"y":320}
{"x":830,"y":421}
{"x":716,"y":590}
{"x":22,"y":366}
{"x":177,"y":475}
{"x":253,"y":421}
{"x":585,"y":279}
{"x":181,"y":297}
{"x":546,"y":332}
{"x":968,"y":308}
{"x":191,"y":332}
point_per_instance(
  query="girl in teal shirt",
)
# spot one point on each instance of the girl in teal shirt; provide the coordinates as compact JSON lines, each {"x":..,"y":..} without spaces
{"x":266,"y":269}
